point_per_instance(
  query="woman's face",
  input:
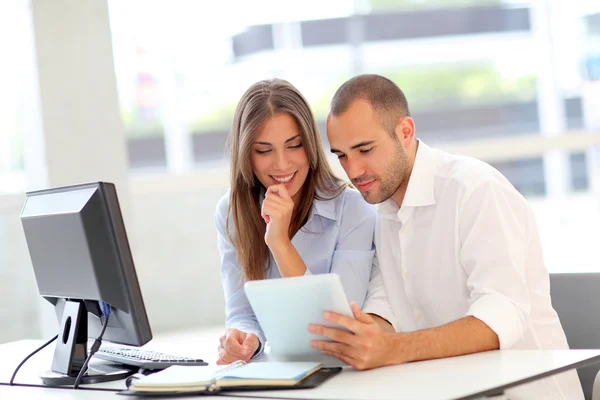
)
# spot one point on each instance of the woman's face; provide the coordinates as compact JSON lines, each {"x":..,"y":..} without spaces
{"x":278,"y":155}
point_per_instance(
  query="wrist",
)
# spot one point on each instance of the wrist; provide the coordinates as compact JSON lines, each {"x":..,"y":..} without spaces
{"x":280,"y":246}
{"x":288,"y":260}
{"x":398,"y":349}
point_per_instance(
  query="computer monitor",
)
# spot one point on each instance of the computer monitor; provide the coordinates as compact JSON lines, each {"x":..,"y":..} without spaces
{"x":81,"y":258}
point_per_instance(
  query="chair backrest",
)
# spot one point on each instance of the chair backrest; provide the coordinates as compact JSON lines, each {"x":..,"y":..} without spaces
{"x":576,"y":299}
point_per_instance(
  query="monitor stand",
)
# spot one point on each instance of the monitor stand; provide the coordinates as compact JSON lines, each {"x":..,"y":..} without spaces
{"x":71,"y":352}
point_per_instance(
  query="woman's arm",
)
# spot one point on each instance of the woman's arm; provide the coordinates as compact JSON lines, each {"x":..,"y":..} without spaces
{"x":277,"y":209}
{"x":239,"y":314}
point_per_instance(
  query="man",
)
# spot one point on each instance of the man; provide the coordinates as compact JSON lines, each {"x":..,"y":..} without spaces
{"x":457,"y":245}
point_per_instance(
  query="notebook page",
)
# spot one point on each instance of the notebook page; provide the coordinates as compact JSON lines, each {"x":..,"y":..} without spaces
{"x":182,"y":375}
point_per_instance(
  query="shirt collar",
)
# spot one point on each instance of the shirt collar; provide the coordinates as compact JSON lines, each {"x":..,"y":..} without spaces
{"x":324,"y":208}
{"x":420,"y":190}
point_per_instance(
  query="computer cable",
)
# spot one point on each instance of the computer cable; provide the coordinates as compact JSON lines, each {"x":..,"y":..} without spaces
{"x":106,"y":312}
{"x":12,"y":379}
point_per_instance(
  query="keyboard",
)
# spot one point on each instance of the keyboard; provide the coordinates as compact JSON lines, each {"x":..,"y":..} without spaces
{"x":144,"y":358}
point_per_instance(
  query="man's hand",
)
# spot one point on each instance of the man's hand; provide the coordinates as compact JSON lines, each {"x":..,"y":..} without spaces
{"x":277,"y":209}
{"x":367,"y":346}
{"x":237,"y":345}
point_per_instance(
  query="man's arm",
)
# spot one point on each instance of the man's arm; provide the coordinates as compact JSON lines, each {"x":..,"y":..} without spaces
{"x":463,"y":336}
{"x":370,"y":346}
{"x":495,"y":228}
{"x":383,"y":323}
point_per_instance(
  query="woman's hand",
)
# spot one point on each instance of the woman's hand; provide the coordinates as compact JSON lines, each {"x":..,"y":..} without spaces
{"x":277,"y":209}
{"x":237,"y":345}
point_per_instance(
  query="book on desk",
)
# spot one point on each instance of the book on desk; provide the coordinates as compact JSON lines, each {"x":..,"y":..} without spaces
{"x":239,"y":376}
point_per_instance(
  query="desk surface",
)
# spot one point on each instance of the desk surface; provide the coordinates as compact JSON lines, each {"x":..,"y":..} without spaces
{"x":202,"y":344}
{"x":199,"y":344}
{"x":465,"y":377}
{"x":36,"y":393}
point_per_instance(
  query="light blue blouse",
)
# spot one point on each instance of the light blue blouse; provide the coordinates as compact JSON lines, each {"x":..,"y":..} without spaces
{"x":337,"y":238}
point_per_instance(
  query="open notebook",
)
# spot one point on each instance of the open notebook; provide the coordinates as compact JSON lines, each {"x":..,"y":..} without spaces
{"x":237,"y":376}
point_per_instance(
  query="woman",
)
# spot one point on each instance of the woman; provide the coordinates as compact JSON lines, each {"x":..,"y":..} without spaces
{"x":286,"y":214}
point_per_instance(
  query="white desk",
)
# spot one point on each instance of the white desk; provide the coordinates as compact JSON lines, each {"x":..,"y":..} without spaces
{"x":36,"y":393}
{"x":466,"y":377}
{"x":201,"y":344}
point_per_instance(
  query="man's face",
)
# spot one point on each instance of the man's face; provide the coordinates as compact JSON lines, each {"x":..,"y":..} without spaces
{"x":375,"y":162}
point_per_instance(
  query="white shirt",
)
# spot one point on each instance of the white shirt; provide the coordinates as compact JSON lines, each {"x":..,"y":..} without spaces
{"x":465,"y":243}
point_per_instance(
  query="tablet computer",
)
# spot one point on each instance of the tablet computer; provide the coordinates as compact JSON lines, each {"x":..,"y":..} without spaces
{"x":285,"y":307}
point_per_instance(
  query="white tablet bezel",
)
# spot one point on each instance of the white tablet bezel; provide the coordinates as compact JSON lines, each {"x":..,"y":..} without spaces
{"x":285,"y":307}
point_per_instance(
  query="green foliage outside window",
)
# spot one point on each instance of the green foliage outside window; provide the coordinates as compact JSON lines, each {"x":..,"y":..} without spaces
{"x":426,"y":87}
{"x":448,"y":86}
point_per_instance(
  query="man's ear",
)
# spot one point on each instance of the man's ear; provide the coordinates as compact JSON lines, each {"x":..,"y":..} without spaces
{"x":405,"y":131}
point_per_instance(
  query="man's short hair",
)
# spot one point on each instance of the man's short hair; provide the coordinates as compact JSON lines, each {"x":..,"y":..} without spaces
{"x":386,"y":98}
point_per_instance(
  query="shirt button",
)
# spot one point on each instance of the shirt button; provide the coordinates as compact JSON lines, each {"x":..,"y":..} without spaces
{"x":406,"y":275}
{"x":418,"y":314}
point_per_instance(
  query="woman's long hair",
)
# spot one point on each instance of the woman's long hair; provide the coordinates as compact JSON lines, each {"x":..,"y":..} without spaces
{"x":262,"y":101}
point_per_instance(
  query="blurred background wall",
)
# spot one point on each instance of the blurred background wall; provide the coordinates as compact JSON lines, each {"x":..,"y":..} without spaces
{"x":142,"y":93}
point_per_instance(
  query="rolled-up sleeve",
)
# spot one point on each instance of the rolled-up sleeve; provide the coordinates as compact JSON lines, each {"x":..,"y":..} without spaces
{"x":377,"y":301}
{"x":238,"y":312}
{"x":494,"y":234}
{"x":353,"y":256}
